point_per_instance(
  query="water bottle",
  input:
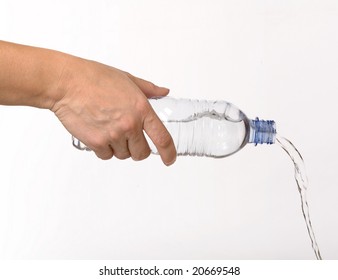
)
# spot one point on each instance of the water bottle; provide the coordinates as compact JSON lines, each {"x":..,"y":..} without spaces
{"x":207,"y":128}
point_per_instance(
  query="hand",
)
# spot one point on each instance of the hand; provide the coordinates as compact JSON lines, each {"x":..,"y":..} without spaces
{"x":107,"y":109}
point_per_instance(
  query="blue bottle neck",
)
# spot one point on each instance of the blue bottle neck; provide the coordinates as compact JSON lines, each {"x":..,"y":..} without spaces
{"x":262,"y":132}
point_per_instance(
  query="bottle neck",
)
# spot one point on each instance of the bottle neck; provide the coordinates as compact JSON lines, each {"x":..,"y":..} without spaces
{"x":262,"y":132}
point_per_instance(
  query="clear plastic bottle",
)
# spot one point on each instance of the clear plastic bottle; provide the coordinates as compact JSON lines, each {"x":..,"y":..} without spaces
{"x":207,"y":128}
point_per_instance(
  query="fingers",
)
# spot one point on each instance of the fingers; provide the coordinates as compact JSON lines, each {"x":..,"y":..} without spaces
{"x":160,"y":137}
{"x":148,"y":88}
{"x":120,"y":148}
{"x":104,"y":153}
{"x":119,"y":151}
{"x":125,"y":141}
{"x":153,"y":125}
{"x":106,"y":147}
{"x":138,"y":147}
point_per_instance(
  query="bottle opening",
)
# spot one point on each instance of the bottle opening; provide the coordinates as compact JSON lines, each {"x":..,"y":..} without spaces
{"x":262,"y":132}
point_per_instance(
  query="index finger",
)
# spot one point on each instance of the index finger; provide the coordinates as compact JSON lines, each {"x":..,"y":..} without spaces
{"x":160,"y":136}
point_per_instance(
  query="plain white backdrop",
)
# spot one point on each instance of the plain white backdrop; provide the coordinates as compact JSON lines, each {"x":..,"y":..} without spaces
{"x":273,"y":59}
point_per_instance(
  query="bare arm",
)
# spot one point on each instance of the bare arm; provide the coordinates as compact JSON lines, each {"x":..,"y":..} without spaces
{"x":105,"y":108}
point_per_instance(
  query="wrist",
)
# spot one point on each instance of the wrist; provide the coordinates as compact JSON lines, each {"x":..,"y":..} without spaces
{"x":54,"y":86}
{"x":29,"y":76}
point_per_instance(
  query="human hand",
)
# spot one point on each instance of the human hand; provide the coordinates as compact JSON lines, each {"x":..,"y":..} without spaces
{"x":107,"y":110}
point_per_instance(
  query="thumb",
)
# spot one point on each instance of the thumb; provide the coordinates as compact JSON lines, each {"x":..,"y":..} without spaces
{"x":148,"y":88}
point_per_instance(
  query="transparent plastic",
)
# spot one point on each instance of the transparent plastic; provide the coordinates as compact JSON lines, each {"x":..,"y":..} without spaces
{"x":207,"y":128}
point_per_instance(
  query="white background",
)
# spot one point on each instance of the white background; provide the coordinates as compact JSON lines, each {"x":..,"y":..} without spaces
{"x":273,"y":59}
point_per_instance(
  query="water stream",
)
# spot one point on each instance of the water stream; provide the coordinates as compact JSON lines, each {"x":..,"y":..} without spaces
{"x":302,"y":183}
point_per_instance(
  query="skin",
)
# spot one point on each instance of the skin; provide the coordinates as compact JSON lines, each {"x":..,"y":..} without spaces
{"x":105,"y":108}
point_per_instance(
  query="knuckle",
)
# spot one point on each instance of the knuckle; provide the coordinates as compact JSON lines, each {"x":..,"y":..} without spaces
{"x":152,"y":86}
{"x":114,"y":136}
{"x":97,"y":143}
{"x":128,"y":124}
{"x":163,"y":139}
{"x":104,"y":156}
{"x":142,"y":155}
{"x":143,"y":107}
{"x":122,"y":156}
{"x":128,"y":74}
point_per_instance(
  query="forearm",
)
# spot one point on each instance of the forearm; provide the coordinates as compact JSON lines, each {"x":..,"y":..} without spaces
{"x":29,"y":76}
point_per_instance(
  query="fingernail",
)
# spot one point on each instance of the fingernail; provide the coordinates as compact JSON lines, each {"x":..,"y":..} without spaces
{"x":171,"y":162}
{"x":165,"y":89}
